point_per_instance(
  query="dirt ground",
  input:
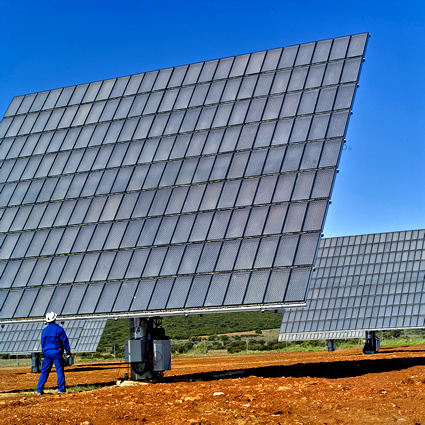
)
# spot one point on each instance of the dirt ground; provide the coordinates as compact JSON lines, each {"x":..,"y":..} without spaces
{"x":343,"y":387}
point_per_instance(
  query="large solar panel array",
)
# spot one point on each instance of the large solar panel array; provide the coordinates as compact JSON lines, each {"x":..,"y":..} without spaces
{"x":203,"y":186}
{"x":19,"y":338}
{"x":365,"y":282}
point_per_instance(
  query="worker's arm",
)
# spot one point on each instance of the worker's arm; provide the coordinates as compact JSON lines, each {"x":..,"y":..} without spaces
{"x":65,"y":342}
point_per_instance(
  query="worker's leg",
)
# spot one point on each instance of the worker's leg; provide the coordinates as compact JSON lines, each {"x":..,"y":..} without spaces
{"x":60,"y":373}
{"x":47,"y":366}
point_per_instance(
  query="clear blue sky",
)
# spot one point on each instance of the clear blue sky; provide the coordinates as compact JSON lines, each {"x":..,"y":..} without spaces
{"x":381,"y":184}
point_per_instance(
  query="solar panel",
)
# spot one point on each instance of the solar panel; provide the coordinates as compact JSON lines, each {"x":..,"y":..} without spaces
{"x":23,"y":338}
{"x":360,"y":283}
{"x":202,"y":187}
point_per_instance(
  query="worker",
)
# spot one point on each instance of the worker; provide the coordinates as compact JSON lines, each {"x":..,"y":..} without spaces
{"x":53,"y":343}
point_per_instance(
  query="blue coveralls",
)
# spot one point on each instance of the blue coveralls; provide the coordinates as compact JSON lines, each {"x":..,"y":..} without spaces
{"x":53,"y":342}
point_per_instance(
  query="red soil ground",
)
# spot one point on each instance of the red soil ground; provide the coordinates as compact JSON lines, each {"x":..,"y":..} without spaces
{"x":343,"y":387}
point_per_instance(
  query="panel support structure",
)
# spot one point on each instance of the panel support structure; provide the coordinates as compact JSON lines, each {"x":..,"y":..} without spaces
{"x":331,"y":345}
{"x":36,"y":362}
{"x":372,"y":343}
{"x":148,"y":350}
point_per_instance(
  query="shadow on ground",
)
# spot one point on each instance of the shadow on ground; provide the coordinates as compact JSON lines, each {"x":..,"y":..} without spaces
{"x":360,"y":366}
{"x":53,"y":390}
{"x":100,"y":366}
{"x":329,"y":370}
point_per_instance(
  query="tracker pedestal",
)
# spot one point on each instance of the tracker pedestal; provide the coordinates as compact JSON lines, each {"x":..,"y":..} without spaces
{"x":372,"y":343}
{"x":331,"y":345}
{"x":148,"y":351}
{"x":35,"y":362}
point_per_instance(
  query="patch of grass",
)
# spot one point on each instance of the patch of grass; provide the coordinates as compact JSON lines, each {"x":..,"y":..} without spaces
{"x":22,"y":361}
{"x":402,"y":341}
{"x":81,"y":388}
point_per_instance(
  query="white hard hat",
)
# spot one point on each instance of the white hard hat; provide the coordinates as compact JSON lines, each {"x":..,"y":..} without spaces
{"x":51,"y":317}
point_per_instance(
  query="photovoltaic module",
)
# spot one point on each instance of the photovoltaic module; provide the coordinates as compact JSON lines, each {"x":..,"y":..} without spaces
{"x":198,"y":188}
{"x":360,"y":283}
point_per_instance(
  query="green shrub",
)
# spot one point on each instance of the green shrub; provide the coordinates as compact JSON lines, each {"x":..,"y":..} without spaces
{"x":236,"y":347}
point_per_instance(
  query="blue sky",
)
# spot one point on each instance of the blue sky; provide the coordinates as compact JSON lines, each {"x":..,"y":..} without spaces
{"x":381,"y":184}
